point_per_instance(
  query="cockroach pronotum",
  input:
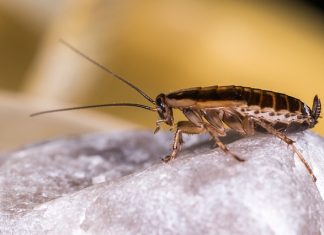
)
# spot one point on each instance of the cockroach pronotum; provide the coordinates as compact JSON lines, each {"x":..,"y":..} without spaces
{"x":215,"y":109}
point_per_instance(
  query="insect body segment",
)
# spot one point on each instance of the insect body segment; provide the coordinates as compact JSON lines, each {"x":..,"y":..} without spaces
{"x":278,"y":109}
{"x":243,"y":109}
{"x":217,"y":108}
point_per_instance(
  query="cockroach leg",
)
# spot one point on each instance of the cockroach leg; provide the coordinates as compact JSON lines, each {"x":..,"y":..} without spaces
{"x":214,"y":133}
{"x":290,"y":143}
{"x":182,"y":127}
{"x":248,"y":126}
{"x":303,"y":160}
{"x":188,"y":127}
{"x":175,"y":146}
{"x":158,"y":127}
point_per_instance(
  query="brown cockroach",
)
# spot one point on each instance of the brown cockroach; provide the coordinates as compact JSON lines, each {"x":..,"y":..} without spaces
{"x":213,"y":109}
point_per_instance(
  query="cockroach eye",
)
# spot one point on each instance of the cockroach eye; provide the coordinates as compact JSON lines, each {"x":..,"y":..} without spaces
{"x":160,"y":102}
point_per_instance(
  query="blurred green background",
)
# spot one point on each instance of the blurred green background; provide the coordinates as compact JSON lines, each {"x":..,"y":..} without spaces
{"x":160,"y":46}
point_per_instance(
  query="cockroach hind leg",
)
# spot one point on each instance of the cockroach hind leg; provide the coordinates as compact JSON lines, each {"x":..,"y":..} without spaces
{"x":290,"y":143}
{"x":303,"y":160}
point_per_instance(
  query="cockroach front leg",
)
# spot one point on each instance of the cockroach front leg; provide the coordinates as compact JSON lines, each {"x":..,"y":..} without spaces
{"x":289,"y":141}
{"x":182,"y":127}
{"x":158,"y":127}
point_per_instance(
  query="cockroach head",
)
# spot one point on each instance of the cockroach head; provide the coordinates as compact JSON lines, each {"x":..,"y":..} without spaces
{"x":164,"y":111}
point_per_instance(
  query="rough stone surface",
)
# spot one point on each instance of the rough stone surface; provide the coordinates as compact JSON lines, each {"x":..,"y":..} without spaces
{"x":116,"y":184}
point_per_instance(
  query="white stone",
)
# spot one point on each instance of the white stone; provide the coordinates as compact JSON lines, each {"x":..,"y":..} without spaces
{"x":94,"y":185}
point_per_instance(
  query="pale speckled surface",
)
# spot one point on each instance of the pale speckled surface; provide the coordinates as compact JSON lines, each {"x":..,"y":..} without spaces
{"x":116,"y":184}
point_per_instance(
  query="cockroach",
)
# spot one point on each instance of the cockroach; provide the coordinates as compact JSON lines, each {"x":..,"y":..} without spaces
{"x":216,"y":109}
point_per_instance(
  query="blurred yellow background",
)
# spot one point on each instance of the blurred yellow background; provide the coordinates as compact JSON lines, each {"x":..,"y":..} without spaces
{"x":160,"y":46}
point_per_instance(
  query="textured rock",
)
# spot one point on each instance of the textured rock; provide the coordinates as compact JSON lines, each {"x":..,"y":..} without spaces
{"x":116,"y":184}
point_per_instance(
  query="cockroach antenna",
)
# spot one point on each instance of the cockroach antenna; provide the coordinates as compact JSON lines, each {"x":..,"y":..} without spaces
{"x":104,"y":68}
{"x":94,"y":106}
{"x":102,"y":105}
